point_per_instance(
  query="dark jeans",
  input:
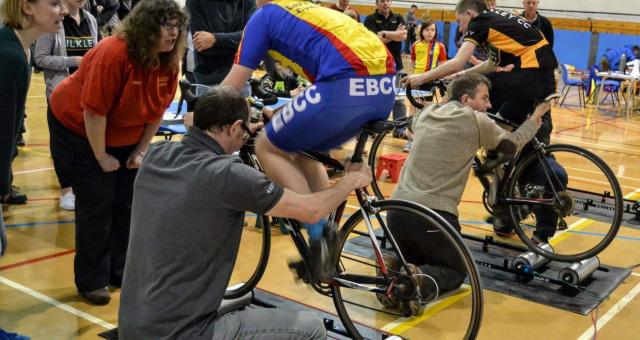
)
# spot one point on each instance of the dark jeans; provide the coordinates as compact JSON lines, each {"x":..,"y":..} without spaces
{"x":426,"y":247}
{"x":61,"y":158}
{"x":103,"y":209}
{"x":536,"y":182}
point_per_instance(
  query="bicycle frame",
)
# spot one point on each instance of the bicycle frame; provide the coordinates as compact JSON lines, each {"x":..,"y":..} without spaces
{"x":502,"y":197}
{"x":372,"y":284}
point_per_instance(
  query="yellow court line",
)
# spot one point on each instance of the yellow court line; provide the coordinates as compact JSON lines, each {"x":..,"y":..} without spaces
{"x":577,"y":225}
{"x":401,"y":325}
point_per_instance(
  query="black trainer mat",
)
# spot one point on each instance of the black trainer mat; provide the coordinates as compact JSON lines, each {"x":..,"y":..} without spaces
{"x":596,"y":288}
{"x":264,"y":299}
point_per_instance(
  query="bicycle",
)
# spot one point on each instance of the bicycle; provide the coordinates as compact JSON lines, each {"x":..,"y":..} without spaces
{"x":366,"y":274}
{"x":591,"y":198}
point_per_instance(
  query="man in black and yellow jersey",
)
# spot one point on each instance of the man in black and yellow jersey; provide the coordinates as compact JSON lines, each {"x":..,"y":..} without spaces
{"x":520,"y":66}
{"x":512,"y":44}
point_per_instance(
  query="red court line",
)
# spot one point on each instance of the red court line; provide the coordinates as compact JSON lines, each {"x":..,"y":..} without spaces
{"x":583,"y":125}
{"x":37,"y":259}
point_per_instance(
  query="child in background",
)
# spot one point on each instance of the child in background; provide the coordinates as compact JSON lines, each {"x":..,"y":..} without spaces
{"x":427,"y":52}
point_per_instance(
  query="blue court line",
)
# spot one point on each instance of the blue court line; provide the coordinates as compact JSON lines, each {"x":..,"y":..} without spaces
{"x":623,"y":237}
{"x":32,"y":224}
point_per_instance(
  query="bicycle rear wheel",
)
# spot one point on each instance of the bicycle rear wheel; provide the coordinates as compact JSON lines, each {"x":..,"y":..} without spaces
{"x":250,"y":264}
{"x":578,"y":202}
{"x":458,"y":307}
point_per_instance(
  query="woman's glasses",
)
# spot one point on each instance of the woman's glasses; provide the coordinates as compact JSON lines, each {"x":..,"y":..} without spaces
{"x":167,"y":26}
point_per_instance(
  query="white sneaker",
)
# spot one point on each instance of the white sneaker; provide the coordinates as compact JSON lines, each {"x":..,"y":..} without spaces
{"x":68,"y":201}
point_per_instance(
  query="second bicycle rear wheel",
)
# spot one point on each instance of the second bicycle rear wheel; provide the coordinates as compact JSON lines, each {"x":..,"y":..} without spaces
{"x":587,"y":202}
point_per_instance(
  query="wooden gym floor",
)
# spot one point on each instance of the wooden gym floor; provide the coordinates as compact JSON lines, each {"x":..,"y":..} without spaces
{"x":38,"y":297}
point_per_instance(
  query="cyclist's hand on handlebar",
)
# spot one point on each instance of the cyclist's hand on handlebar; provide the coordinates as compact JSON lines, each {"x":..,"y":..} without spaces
{"x":540,"y":110}
{"x":414,"y":81}
{"x":358,"y":173}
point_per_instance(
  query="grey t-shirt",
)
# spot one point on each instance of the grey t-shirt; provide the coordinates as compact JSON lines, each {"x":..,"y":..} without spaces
{"x":188,"y":209}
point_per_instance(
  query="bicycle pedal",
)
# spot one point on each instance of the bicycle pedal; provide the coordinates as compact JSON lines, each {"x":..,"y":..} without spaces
{"x":300,"y":271}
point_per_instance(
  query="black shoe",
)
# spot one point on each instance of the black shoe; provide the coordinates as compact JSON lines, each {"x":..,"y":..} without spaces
{"x":14,"y":197}
{"x":539,"y":237}
{"x":98,"y":296}
{"x":322,"y":254}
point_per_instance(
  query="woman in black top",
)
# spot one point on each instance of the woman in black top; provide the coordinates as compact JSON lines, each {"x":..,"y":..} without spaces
{"x":23,"y":22}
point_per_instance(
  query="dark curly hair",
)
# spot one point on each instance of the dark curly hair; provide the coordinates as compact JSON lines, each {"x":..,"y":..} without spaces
{"x":141,"y":30}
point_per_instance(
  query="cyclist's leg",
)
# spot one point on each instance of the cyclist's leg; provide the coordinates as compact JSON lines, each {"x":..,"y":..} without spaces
{"x":309,"y":122}
{"x":536,"y":181}
{"x":514,"y":96}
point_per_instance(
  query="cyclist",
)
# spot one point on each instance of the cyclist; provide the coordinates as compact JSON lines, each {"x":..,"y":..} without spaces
{"x":514,"y":45}
{"x":437,"y":179}
{"x":353,"y":83}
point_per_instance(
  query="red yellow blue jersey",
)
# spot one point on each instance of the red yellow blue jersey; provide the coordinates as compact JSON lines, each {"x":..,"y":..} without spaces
{"x":427,"y":54}
{"x":315,"y":42}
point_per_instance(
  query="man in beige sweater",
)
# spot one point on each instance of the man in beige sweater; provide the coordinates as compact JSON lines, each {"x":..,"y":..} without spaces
{"x":446,"y":138}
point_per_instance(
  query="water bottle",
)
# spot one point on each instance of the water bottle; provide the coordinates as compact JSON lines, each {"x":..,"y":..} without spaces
{"x":623,"y":63}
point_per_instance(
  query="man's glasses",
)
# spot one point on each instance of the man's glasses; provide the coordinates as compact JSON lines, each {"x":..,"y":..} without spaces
{"x":167,"y":26}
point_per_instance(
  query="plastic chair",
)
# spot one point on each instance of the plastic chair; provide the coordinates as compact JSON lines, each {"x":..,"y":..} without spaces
{"x":570,"y":83}
{"x":611,"y":87}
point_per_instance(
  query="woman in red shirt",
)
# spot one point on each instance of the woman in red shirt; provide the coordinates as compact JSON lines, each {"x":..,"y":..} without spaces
{"x":105,"y":116}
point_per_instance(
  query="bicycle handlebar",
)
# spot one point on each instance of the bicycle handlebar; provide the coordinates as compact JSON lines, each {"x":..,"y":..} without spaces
{"x":430,"y":86}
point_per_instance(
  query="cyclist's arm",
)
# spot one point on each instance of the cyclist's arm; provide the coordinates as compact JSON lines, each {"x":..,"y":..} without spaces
{"x":484,"y":67}
{"x":310,"y":208}
{"x":237,"y":77}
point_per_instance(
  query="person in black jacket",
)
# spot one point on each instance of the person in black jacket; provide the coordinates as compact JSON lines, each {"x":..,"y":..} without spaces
{"x":217,"y":27}
{"x":541,"y":22}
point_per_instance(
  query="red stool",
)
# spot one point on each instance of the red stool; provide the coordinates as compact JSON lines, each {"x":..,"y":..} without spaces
{"x":393,"y":163}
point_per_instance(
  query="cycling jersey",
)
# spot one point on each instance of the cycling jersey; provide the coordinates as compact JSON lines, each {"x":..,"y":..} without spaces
{"x":426,"y":55}
{"x":315,"y":42}
{"x":510,"y":39}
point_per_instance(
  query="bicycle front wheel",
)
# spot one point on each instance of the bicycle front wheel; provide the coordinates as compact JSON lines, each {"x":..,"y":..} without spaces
{"x":415,"y":238}
{"x":569,"y":198}
{"x":250,"y":264}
